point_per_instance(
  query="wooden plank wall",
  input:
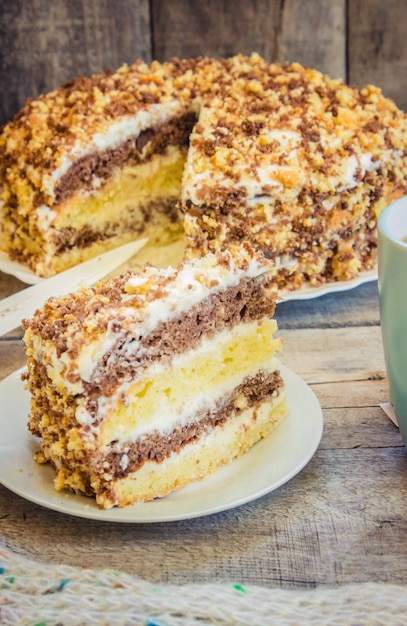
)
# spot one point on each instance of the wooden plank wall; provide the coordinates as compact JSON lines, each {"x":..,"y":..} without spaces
{"x":43,"y":43}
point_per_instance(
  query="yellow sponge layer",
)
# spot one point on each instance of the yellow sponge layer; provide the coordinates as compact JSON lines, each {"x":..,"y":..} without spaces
{"x":131,"y":187}
{"x":231,"y":356}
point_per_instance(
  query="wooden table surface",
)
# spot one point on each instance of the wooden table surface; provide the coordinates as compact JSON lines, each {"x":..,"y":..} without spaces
{"x":342,"y":519}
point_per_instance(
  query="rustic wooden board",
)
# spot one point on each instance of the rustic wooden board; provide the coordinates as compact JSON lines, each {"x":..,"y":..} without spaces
{"x":365,"y":426}
{"x":353,"y":307}
{"x":314,"y":353}
{"x":44,"y":44}
{"x":9,"y":285}
{"x":314,"y":34}
{"x":343,"y":519}
{"x":377,"y":46}
{"x":310,"y":33}
{"x":187,"y":28}
{"x":12,"y":355}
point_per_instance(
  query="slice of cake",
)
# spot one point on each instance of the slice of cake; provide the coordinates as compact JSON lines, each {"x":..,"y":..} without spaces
{"x":152,"y":380}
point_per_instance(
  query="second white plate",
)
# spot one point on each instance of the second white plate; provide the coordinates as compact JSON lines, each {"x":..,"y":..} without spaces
{"x":268,"y":465}
{"x":18,"y":270}
{"x":308,"y":292}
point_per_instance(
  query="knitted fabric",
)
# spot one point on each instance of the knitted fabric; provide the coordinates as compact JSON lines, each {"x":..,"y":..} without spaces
{"x":34,"y":593}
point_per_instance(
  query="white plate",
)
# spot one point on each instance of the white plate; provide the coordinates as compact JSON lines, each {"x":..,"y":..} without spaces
{"x":18,"y":270}
{"x":307,"y":292}
{"x":268,"y":465}
{"x":164,"y":255}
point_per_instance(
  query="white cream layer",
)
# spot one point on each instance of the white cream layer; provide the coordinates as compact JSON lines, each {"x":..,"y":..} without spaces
{"x":263,"y":180}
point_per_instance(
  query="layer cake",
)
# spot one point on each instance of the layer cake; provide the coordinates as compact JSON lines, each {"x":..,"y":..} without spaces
{"x":224,"y":150}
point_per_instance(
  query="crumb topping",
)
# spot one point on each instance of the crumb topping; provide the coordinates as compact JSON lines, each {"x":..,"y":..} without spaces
{"x":277,"y":130}
{"x":254,"y":112}
{"x":63,"y":121}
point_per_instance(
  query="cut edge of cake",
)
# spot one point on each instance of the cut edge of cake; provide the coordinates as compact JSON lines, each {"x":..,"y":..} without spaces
{"x":152,"y":380}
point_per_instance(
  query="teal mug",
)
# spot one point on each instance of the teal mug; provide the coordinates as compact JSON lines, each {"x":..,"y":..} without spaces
{"x":392,"y":266}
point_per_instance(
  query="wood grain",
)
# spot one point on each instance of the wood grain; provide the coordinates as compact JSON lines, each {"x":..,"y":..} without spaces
{"x":44,"y":44}
{"x":219,"y":28}
{"x":356,"y":307}
{"x":361,"y":354}
{"x":343,"y":519}
{"x":9,"y":285}
{"x":276,"y":30}
{"x":377,"y":45}
{"x":12,"y":355}
{"x":314,"y":34}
